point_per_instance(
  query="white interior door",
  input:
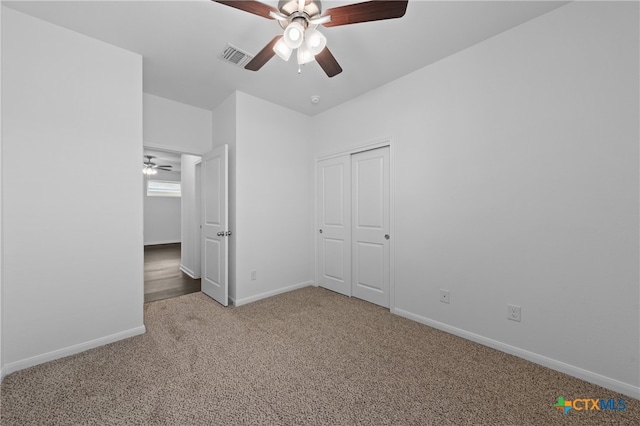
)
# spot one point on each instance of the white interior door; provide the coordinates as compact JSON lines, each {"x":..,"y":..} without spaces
{"x":334,"y":220}
{"x":370,"y":225}
{"x":215,"y":233}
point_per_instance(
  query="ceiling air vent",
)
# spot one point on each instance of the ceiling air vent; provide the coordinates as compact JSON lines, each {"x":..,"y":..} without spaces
{"x":235,"y":56}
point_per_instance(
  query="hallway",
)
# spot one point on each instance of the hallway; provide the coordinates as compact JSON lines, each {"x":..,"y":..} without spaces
{"x":163,"y":278}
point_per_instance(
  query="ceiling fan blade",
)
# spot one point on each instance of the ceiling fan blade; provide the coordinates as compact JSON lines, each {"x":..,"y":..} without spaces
{"x":263,"y":56}
{"x":251,"y":6}
{"x":163,"y":169}
{"x":165,"y":165}
{"x":328,"y":62}
{"x":365,"y":12}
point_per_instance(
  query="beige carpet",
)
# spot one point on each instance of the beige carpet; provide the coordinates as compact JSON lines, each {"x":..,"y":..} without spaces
{"x":309,"y":357}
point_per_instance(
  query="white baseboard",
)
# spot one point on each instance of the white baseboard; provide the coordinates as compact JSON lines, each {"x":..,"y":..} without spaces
{"x":188,"y":272}
{"x":2,"y":373}
{"x":244,"y":301}
{"x":156,"y":243}
{"x":580,"y":373}
{"x":71,"y":350}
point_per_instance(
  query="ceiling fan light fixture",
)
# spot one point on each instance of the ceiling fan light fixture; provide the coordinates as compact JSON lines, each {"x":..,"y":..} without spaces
{"x":282,"y":50}
{"x":278,"y":15}
{"x":305,"y":55}
{"x":297,"y":16}
{"x":320,"y":20}
{"x":315,"y":41}
{"x":294,"y":35}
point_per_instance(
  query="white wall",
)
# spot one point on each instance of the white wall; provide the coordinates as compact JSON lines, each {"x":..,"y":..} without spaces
{"x":270,"y":197}
{"x":72,"y":256}
{"x":224,"y":132}
{"x":176,"y":127}
{"x":162,"y":215}
{"x":190,"y":224}
{"x":517,"y":182}
{"x":1,"y":235}
{"x":274,"y":175}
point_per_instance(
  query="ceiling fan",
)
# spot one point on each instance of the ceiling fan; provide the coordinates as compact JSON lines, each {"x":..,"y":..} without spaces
{"x":300,"y":18}
{"x":151,"y":168}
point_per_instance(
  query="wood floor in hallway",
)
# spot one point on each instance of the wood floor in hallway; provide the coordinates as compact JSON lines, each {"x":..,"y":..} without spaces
{"x":162,"y":275}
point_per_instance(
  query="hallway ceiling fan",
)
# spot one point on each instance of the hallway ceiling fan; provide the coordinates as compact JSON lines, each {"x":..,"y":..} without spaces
{"x":150,"y":168}
{"x":300,"y":18}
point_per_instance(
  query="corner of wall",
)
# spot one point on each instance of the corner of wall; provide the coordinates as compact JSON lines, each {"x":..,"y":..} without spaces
{"x":102,"y":80}
{"x":445,"y":222}
{"x":273,"y":179}
{"x":2,"y":371}
{"x":224,"y":131}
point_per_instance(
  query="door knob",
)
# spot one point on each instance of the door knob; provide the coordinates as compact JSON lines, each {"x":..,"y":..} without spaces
{"x":321,"y":231}
{"x":386,"y":236}
{"x":220,"y":234}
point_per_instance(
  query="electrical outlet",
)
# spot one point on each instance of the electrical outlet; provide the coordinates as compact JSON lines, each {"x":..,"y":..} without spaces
{"x":513,"y":312}
{"x":445,"y":297}
{"x":254,"y":275}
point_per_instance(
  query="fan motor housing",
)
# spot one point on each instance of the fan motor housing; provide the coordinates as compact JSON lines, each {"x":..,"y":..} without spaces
{"x":311,"y":8}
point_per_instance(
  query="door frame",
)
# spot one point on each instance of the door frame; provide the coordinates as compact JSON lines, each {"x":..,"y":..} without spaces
{"x":153,"y":147}
{"x":392,"y":246}
{"x":198,"y":199}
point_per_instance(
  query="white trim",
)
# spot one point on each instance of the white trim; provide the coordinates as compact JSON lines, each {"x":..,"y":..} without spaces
{"x":240,"y":302}
{"x":315,"y":225}
{"x":571,"y":370}
{"x":392,"y":227}
{"x":157,"y":243}
{"x":188,"y":272}
{"x":354,"y":149}
{"x":2,"y":373}
{"x":71,"y":350}
{"x":169,"y":149}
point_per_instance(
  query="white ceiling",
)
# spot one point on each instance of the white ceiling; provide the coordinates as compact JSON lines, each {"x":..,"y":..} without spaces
{"x":180,"y":42}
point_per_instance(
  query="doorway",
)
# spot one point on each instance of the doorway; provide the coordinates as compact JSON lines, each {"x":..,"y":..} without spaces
{"x":354,"y":224}
{"x":169,"y":240}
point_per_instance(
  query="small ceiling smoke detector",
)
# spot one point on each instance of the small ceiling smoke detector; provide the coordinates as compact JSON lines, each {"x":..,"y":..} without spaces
{"x":315,"y":99}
